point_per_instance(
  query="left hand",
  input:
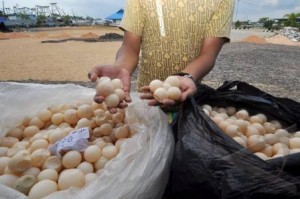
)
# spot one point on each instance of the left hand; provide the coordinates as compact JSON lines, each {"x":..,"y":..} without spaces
{"x":187,"y":86}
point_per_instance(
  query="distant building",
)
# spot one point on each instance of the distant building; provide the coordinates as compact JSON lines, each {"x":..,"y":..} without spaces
{"x":115,"y":19}
{"x":2,"y":19}
{"x":279,"y":21}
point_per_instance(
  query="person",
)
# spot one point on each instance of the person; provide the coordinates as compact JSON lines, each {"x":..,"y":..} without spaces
{"x":181,"y":37}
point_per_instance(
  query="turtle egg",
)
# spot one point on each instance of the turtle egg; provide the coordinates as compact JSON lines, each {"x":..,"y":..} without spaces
{"x":57,"y":118}
{"x":294,"y":143}
{"x":112,"y":101}
{"x":92,"y":153}
{"x":86,"y":167}
{"x":53,"y":162}
{"x":155,"y":84}
{"x":70,"y":116}
{"x":242,"y":114}
{"x":232,"y":130}
{"x":241,"y":141}
{"x":85,"y":111}
{"x":261,"y":155}
{"x":71,"y":178}
{"x":117,"y":84}
{"x":71,"y":159}
{"x":30,"y":131}
{"x":174,"y":93}
{"x":207,"y":107}
{"x":173,"y":81}
{"x":109,"y":152}
{"x":8,"y":180}
{"x":160,"y":94}
{"x":42,"y":189}
{"x":230,"y":110}
{"x":256,"y":143}
{"x":100,"y":163}
{"x":44,"y":115}
{"x":120,"y":93}
{"x":104,"y":88}
{"x":48,"y":174}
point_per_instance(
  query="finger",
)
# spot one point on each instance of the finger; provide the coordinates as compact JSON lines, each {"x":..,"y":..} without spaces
{"x":122,"y":105}
{"x":127,"y":97}
{"x":146,"y":96}
{"x":93,"y":77}
{"x":113,"y":110}
{"x":153,"y":102}
{"x":94,"y":73}
{"x":126,"y":79}
{"x":145,"y":89}
{"x":169,"y":102}
{"x":186,"y":94}
{"x":98,"y":99}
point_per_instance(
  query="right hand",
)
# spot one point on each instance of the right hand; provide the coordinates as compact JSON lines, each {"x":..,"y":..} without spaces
{"x":187,"y":86}
{"x":112,"y":72}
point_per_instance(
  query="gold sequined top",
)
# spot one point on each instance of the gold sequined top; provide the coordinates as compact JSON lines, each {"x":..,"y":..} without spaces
{"x":173,"y":31}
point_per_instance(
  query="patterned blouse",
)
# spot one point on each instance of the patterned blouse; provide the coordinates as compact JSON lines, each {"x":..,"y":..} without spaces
{"x":173,"y":31}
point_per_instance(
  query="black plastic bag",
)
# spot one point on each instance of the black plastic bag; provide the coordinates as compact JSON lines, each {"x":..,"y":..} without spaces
{"x":209,"y":164}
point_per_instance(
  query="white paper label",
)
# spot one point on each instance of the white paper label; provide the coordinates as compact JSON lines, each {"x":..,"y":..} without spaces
{"x":76,"y":141}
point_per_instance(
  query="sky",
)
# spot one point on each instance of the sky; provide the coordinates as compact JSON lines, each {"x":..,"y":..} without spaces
{"x":244,"y":9}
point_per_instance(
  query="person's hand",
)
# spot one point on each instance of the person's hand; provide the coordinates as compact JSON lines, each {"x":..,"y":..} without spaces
{"x":113,"y":73}
{"x":187,"y":87}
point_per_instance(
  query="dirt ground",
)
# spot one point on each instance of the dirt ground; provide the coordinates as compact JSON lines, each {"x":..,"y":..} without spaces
{"x":25,"y":58}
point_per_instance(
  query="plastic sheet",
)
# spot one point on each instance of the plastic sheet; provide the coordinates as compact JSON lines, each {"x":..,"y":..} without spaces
{"x":140,"y":170}
{"x":209,"y":164}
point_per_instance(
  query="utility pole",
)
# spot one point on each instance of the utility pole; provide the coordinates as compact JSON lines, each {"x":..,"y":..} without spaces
{"x":236,"y":9}
{"x":3,"y":6}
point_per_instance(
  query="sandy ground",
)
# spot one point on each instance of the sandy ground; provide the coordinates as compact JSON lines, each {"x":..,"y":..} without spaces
{"x":239,"y":35}
{"x":24,"y":57}
{"x":28,"y":58}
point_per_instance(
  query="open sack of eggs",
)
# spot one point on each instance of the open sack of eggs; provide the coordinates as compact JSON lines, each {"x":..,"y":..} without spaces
{"x":55,"y":142}
{"x":236,"y":141}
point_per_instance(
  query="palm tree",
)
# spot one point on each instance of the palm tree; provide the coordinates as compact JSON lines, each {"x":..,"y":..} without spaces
{"x":292,"y":19}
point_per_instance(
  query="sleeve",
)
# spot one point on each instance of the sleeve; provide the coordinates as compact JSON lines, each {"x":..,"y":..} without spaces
{"x":220,"y":22}
{"x":134,"y":17}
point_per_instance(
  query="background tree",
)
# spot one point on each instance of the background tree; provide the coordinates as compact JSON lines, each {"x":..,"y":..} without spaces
{"x":24,"y":16}
{"x":237,"y":24}
{"x":67,"y":20}
{"x":269,"y":24}
{"x":41,"y":20}
{"x":263,"y":19}
{"x":292,"y":19}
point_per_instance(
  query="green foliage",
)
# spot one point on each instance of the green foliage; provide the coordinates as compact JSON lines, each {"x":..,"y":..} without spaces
{"x":268,"y":24}
{"x":24,"y":16}
{"x":41,"y":19}
{"x":263,"y":19}
{"x":292,"y":20}
{"x":238,"y":24}
{"x":67,"y":20}
{"x":89,"y":18}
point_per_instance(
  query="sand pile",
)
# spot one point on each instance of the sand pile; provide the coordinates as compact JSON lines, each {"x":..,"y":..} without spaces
{"x":90,"y":36}
{"x":61,"y":36}
{"x":111,"y":37}
{"x":254,"y":39}
{"x":280,"y":39}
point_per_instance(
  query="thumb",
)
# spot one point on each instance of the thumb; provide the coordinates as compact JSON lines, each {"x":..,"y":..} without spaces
{"x":126,"y":87}
{"x":93,"y":77}
{"x":186,"y":94}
